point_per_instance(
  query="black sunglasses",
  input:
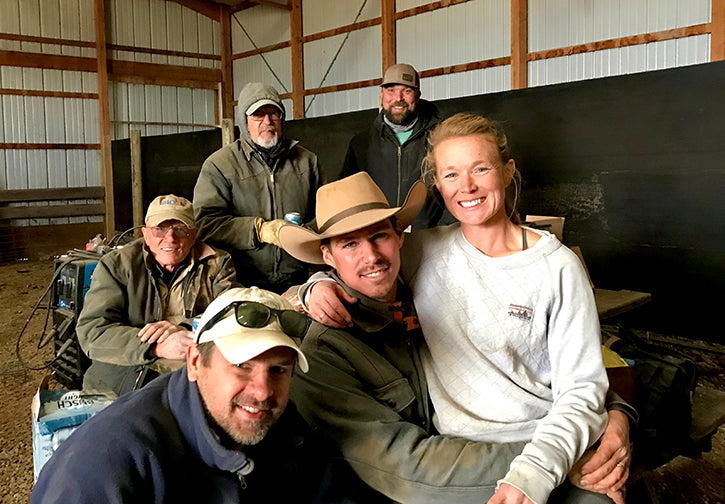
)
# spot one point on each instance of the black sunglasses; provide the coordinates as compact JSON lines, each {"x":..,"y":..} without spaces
{"x":256,"y":315}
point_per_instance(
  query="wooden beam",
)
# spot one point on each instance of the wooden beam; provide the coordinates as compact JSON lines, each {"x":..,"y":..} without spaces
{"x":717,"y":31}
{"x":248,"y":4}
{"x":47,"y":61}
{"x":428,"y":8}
{"x":53,"y":193}
{"x":46,"y":40}
{"x":50,"y":211}
{"x":466,"y":67}
{"x":519,"y":43}
{"x":164,"y":81}
{"x":134,"y":141}
{"x":167,"y":72}
{"x":343,"y":87}
{"x":342,"y":29}
{"x":227,"y":131}
{"x":104,"y":118}
{"x":298,"y":64}
{"x":387,"y":31}
{"x":288,"y":6}
{"x":227,"y":84}
{"x":208,"y":9}
{"x":57,"y":146}
{"x":260,"y":50}
{"x":48,"y":94}
{"x":644,"y":38}
{"x":162,"y":52}
{"x":165,"y":123}
{"x":120,"y":71}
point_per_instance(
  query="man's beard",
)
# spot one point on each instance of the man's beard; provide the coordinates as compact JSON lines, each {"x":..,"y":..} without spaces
{"x":403,"y":119}
{"x":268,"y":144}
{"x":258,"y":429}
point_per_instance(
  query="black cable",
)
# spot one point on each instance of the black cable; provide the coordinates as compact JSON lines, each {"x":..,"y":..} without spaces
{"x":117,"y":239}
{"x":71,"y":256}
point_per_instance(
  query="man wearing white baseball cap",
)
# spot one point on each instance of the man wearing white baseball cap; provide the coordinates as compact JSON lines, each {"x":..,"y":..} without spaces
{"x":218,"y":430}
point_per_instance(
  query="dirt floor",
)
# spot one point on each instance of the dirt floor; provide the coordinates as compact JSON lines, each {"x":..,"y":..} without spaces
{"x":682,"y":480}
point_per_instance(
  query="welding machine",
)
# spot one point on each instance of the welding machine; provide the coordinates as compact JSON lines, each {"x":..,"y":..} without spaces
{"x":72,"y":280}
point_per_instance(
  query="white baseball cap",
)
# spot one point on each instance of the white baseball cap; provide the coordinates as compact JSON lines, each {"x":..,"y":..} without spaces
{"x":239,"y":343}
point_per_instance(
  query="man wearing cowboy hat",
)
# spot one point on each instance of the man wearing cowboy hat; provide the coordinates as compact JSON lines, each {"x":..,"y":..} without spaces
{"x":366,"y":389}
{"x":218,"y":430}
{"x":246,"y":189}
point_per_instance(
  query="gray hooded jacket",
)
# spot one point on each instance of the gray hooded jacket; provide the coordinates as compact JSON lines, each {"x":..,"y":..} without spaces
{"x":236,"y":185}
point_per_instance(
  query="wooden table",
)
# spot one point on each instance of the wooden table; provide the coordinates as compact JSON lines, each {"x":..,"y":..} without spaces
{"x":611,"y":303}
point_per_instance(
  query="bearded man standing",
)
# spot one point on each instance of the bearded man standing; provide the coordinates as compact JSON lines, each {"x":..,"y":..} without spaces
{"x":392,"y":148}
{"x":246,"y":188}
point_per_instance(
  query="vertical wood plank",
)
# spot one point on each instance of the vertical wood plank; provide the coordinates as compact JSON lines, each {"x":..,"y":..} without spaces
{"x":717,"y":27}
{"x":225,"y":28}
{"x":519,"y":43}
{"x":104,"y":118}
{"x":388,"y":32}
{"x":136,"y":182}
{"x":298,"y":76}
{"x":227,"y":131}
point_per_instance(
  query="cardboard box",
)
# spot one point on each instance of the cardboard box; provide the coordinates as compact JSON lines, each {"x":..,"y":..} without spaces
{"x":554,"y":225}
{"x":56,"y":414}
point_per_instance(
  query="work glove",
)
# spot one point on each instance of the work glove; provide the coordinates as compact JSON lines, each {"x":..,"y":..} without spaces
{"x":268,"y":231}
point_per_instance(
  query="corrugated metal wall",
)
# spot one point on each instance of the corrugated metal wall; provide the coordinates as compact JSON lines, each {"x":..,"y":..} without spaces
{"x":153,"y":24}
{"x":560,"y":23}
{"x":158,"y":24}
{"x":31,"y":119}
{"x":472,"y":31}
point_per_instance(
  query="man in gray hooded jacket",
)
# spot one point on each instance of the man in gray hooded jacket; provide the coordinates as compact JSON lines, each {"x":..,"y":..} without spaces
{"x":246,"y":189}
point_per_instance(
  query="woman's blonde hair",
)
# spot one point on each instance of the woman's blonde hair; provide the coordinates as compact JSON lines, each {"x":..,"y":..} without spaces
{"x":466,"y":124}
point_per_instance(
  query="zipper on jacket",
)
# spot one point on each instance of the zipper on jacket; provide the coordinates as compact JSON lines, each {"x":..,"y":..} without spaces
{"x":247,"y":468}
{"x":400,"y":155}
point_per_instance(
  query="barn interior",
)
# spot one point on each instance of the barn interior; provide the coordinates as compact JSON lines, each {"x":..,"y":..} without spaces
{"x":614,"y":112}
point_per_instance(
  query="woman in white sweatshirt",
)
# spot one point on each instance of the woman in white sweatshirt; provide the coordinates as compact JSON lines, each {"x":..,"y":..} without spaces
{"x":508,"y":316}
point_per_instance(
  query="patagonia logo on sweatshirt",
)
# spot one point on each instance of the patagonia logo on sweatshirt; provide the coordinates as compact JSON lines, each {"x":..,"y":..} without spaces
{"x":520,"y":312}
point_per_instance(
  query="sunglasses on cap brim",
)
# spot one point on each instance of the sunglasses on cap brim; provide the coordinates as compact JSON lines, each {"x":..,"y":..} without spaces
{"x":257,"y":315}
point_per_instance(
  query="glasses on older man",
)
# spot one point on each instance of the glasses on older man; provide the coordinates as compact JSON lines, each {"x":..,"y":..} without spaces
{"x":259,"y":115}
{"x":257,"y":315}
{"x":179,"y":231}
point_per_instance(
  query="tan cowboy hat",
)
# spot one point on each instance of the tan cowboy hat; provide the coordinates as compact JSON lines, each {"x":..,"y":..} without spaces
{"x":344,"y":206}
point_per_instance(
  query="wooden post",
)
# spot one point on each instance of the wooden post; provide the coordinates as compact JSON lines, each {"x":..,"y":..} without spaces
{"x":519,"y":44}
{"x":136,"y":182}
{"x":227,"y":131}
{"x":717,"y":33}
{"x":388,"y":32}
{"x":104,"y":117}
{"x":297,"y":54}
{"x":227,"y":85}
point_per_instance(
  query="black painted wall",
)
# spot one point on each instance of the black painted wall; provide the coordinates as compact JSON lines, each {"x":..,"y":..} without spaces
{"x":635,"y":163}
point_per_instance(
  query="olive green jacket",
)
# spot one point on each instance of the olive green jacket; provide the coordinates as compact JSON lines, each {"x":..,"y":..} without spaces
{"x":234,"y":187}
{"x":124,"y":296}
{"x":366,"y":391}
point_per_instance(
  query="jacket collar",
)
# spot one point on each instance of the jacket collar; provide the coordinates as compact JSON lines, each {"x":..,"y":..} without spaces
{"x":284,"y":437}
{"x":245,"y":148}
{"x":372,"y":315}
{"x":185,"y":404}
